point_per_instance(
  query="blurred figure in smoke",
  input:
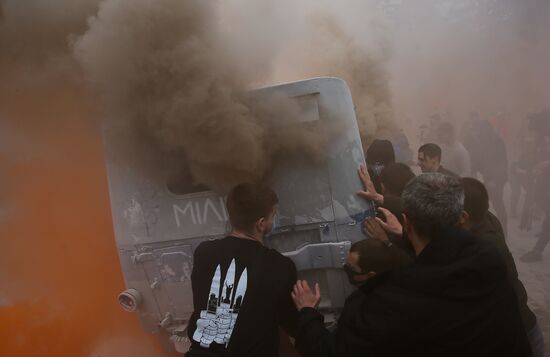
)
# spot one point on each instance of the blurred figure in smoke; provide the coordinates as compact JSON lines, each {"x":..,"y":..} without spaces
{"x":500,"y":121}
{"x":428,"y":132}
{"x":483,"y":224}
{"x":521,"y":165}
{"x":379,"y":154}
{"x":456,"y":156}
{"x":540,"y":188}
{"x":489,"y":158}
{"x":537,"y":151}
{"x":401,"y":146}
{"x":429,"y":160}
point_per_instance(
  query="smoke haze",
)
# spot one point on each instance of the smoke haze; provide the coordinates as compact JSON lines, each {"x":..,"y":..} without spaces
{"x":170,"y":69}
{"x":176,"y":73}
{"x":456,"y":57}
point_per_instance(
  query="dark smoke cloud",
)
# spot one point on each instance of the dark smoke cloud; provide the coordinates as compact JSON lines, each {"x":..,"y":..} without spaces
{"x":178,"y":73}
{"x":158,"y":65}
{"x":364,"y":71}
{"x":166,"y":67}
{"x":35,"y":35}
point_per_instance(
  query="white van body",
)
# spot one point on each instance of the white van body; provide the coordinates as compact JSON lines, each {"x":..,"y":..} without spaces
{"x":157,"y":228}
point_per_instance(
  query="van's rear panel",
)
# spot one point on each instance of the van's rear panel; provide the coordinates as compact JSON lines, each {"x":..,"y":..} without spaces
{"x":159,"y":224}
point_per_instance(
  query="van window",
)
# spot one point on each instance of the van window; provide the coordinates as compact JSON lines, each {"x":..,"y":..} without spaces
{"x":182,"y":183}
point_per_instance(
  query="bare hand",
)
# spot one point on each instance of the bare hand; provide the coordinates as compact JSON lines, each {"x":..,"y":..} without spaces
{"x":392,"y":224}
{"x":303,"y":296}
{"x":375,"y":230}
{"x":370,"y":191}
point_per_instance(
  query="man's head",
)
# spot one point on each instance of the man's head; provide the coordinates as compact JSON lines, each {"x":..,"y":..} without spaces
{"x":368,"y":257}
{"x":394,"y":177}
{"x":429,"y":157}
{"x":446,"y":133}
{"x":432,"y":203}
{"x":251,"y":208}
{"x":476,"y":202}
{"x":380,"y":152}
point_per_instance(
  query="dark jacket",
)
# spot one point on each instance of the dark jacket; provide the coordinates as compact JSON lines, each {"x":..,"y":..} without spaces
{"x":444,"y":171}
{"x":394,"y":204}
{"x":453,"y":300}
{"x":490,"y":230}
{"x":487,"y":152}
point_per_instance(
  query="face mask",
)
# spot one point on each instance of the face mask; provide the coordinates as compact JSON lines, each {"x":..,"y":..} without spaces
{"x":352,"y":274}
{"x":377,"y":168}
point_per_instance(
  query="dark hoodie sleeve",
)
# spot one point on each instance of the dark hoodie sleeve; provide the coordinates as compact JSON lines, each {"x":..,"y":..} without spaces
{"x":288,"y":315}
{"x":312,"y":337}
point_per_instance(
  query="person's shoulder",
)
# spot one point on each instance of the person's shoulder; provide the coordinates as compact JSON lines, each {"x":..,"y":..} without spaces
{"x":445,"y":171}
{"x":211,"y":244}
{"x":483,"y":248}
{"x":280,"y":261}
{"x":204,"y":246}
{"x":465,"y":239}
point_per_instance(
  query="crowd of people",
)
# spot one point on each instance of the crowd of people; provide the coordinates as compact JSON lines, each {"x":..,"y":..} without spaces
{"x":434,"y":274}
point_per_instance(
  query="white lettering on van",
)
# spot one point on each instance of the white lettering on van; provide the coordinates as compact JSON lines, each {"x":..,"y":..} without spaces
{"x":209,"y":204}
{"x":224,"y":210}
{"x":198,"y":215}
{"x":198,"y":210}
{"x":188,"y":208}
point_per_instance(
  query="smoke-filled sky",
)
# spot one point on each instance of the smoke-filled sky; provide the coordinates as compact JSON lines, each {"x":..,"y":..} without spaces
{"x":460,"y":56}
{"x":179,"y":71}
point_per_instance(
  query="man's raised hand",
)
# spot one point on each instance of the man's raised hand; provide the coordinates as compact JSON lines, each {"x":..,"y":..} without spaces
{"x":391,"y":225}
{"x":369,"y":190}
{"x":303,"y":296}
{"x":375,"y":230}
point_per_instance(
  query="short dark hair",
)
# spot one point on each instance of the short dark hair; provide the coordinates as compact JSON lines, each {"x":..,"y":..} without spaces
{"x":395,"y":177}
{"x":433,"y":202}
{"x":375,"y":256}
{"x":380,"y":152}
{"x":476,"y":198}
{"x":248,"y":202}
{"x":430,"y":150}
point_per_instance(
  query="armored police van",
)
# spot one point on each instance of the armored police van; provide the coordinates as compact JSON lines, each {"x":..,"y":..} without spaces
{"x":159,"y":224}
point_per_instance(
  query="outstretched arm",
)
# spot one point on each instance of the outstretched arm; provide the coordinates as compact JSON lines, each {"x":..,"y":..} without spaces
{"x":312,"y":337}
{"x":369,"y":191}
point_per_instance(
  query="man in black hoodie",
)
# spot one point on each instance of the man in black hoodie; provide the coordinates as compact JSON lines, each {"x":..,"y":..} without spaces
{"x":453,"y":300}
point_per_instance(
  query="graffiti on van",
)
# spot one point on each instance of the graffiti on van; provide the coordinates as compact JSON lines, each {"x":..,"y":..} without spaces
{"x":200,"y":211}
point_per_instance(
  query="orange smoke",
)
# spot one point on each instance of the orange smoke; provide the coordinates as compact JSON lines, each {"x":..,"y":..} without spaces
{"x":59,"y":267}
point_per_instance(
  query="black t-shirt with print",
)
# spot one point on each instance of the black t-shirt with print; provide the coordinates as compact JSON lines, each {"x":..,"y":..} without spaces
{"x":241,"y":294}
